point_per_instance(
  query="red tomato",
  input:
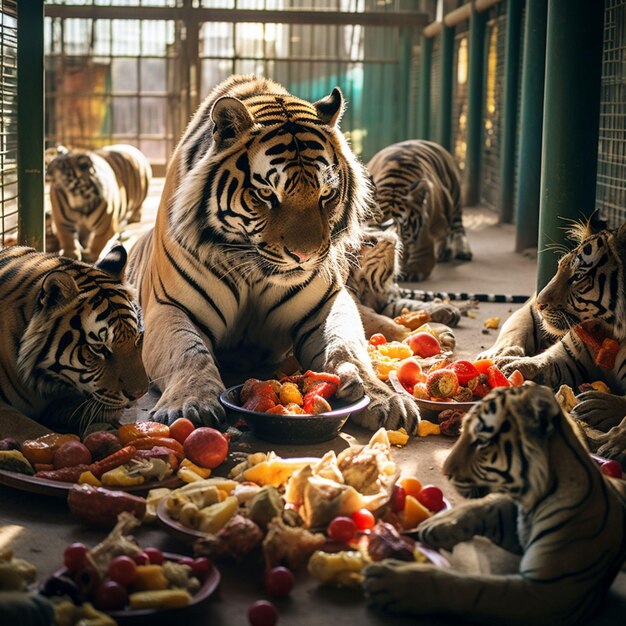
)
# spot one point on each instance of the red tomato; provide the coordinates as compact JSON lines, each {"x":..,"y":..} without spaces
{"x":482,"y":365}
{"x":110,"y":596}
{"x":342,"y":529}
{"x":122,"y":569}
{"x":181,"y":429}
{"x":423,"y":344}
{"x":75,"y":556}
{"x":262,"y":613}
{"x":611,"y":468}
{"x":432,"y":498}
{"x":398,"y":499}
{"x":496,"y":377}
{"x":464,"y":371}
{"x":155,"y":555}
{"x":364,"y":519}
{"x":516,"y":379}
{"x":378,"y":339}
{"x":278,"y":582}
{"x":410,"y":373}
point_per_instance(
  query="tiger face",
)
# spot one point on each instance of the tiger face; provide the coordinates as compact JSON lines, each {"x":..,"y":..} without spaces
{"x":85,"y":339}
{"x":499,"y":438}
{"x":75,"y":174}
{"x":277,"y":183}
{"x":588,"y":285}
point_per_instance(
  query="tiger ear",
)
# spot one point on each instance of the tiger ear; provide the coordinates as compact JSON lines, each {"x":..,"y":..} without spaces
{"x":597,"y":222}
{"x":230,"y":117}
{"x":114,"y":262}
{"x":542,"y":408}
{"x":331,"y":108}
{"x":58,"y":289}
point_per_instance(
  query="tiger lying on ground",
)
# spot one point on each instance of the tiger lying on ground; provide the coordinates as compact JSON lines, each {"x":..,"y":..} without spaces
{"x":418,"y":187}
{"x":590,"y":284}
{"x":263,"y":201}
{"x":372,"y":282}
{"x":94,"y":195}
{"x":549,"y":503}
{"x":72,"y":349}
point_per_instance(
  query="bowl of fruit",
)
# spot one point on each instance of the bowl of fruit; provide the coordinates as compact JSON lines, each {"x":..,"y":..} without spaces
{"x":299,"y":409}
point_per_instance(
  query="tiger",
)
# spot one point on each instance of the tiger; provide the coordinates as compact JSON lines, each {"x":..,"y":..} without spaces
{"x":533,"y":490}
{"x":372,"y":280}
{"x":73,"y":339}
{"x":94,"y":195}
{"x":538,"y":339}
{"x":262,"y":206}
{"x":418,"y":189}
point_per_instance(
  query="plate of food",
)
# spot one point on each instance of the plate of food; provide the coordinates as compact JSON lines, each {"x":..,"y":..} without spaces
{"x":301,"y":409}
{"x":131,"y":584}
{"x":135,"y":458}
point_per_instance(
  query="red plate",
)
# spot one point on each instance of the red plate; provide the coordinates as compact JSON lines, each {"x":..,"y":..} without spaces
{"x":44,"y":486}
{"x":149,"y":616}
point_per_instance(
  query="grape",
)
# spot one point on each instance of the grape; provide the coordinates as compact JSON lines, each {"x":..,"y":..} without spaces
{"x":110,"y":596}
{"x":122,"y":569}
{"x":342,"y":529}
{"x":75,"y":556}
{"x":432,"y":498}
{"x":155,"y":555}
{"x":279,"y":582}
{"x":364,"y":519}
{"x":262,"y":613}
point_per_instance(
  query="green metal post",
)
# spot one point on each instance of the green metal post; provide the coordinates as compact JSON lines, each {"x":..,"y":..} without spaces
{"x":509,"y":114}
{"x":531,"y":121}
{"x":476,"y":45}
{"x":30,"y":123}
{"x":423,"y":127}
{"x":570,"y":122}
{"x":447,"y":60}
{"x":404,"y":70}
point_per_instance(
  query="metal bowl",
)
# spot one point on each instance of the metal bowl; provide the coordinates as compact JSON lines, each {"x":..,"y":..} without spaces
{"x":298,"y":429}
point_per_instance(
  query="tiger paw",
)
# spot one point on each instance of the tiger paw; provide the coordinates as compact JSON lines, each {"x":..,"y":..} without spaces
{"x":445,"y":530}
{"x":443,"y":313}
{"x":389,"y":410}
{"x":531,"y":368}
{"x":351,"y":384}
{"x":391,"y":585}
{"x":599,"y":410}
{"x":177,"y":401}
{"x":613,"y":444}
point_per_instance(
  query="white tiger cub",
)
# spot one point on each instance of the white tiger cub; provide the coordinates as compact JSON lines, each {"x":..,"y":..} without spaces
{"x":94,"y":194}
{"x":548,"y":502}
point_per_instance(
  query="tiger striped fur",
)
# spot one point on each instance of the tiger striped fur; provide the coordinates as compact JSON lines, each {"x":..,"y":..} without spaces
{"x":418,"y":188}
{"x":263,"y":201}
{"x":94,"y":195}
{"x":590,"y":284}
{"x":72,"y":349}
{"x":548,"y":502}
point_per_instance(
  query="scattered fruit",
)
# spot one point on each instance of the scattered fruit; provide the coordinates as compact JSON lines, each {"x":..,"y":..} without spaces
{"x":279,"y":581}
{"x":364,"y":519}
{"x":262,"y":613}
{"x":181,"y":429}
{"x":424,"y":344}
{"x":611,"y":468}
{"x":206,"y":447}
{"x":342,"y":529}
{"x":75,"y":556}
{"x":432,"y":498}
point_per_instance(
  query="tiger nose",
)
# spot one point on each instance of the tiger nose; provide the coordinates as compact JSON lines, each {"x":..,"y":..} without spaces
{"x":301,"y":256}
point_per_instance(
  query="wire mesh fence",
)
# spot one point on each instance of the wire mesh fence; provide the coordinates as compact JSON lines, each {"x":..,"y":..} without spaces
{"x":459,"y":99}
{"x":611,"y":177}
{"x":492,"y":107}
{"x":8,"y":122}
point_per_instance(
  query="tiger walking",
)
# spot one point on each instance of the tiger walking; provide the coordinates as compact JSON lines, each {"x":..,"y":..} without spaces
{"x":419,"y":189}
{"x":94,"y":195}
{"x":263,"y":200}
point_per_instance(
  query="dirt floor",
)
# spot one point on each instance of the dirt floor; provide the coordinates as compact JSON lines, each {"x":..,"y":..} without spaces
{"x":39,"y":527}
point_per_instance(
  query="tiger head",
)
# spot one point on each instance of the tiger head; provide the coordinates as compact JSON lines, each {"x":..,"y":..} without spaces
{"x":270,"y":176}
{"x":74,"y":174}
{"x":589,"y":282}
{"x":504,"y":443}
{"x":84,"y":339}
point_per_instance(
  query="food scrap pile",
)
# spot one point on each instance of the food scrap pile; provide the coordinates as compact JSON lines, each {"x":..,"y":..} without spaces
{"x":299,"y":394}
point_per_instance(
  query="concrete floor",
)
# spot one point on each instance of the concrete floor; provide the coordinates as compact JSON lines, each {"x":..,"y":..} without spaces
{"x":39,"y":527}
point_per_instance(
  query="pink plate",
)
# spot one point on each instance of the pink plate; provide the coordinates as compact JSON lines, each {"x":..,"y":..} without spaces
{"x":174,"y":528}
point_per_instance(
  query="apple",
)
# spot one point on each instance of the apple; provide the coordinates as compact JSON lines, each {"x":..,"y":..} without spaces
{"x":423,"y":344}
{"x":102,"y":444}
{"x":206,"y":447}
